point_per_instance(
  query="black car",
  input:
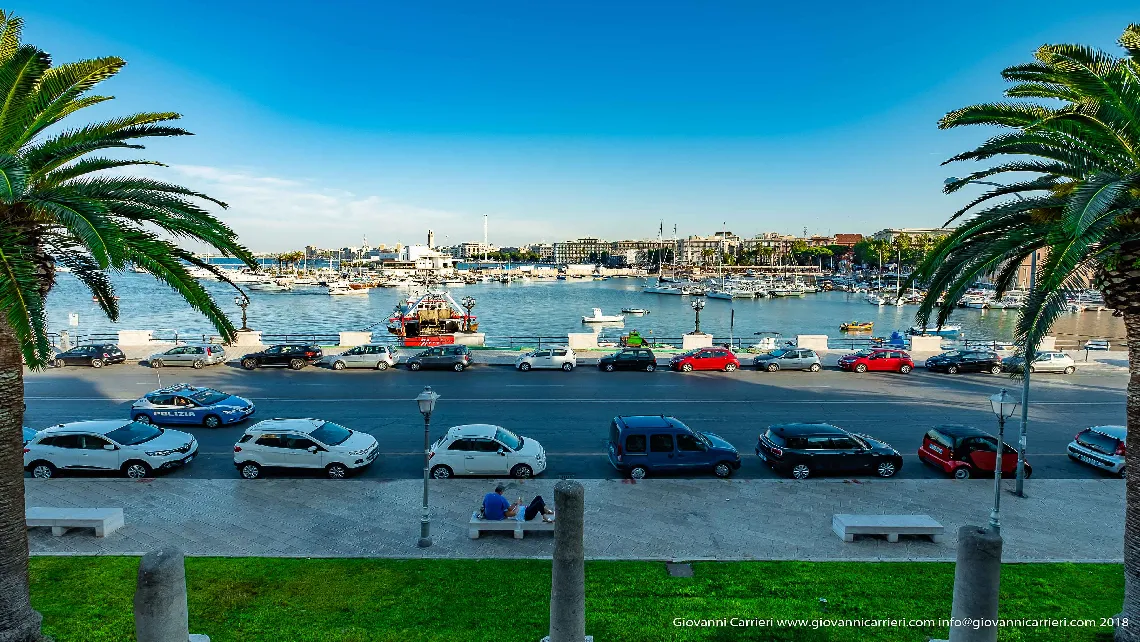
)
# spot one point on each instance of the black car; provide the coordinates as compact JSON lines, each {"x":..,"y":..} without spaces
{"x":940,"y":359}
{"x":96,"y":356}
{"x":802,"y":450}
{"x":457,"y":358}
{"x":629,"y":359}
{"x":294,"y":356}
{"x":966,"y":361}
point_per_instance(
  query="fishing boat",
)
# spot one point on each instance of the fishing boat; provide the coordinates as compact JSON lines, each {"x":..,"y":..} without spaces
{"x":634,"y":311}
{"x":431,"y":319}
{"x":857,"y":326}
{"x":944,"y":331}
{"x":598,"y":317}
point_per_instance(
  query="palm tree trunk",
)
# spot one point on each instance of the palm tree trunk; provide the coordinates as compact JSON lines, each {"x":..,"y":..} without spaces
{"x":18,"y":622}
{"x":1131,"y":611}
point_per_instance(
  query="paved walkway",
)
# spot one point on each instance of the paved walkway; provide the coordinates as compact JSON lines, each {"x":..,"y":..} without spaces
{"x":655,"y":519}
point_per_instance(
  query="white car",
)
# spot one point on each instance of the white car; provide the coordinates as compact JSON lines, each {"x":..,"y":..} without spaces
{"x":371,"y":355}
{"x":483,"y":449}
{"x":132,"y":448}
{"x":303,"y":443}
{"x":558,"y":357}
{"x":1051,"y":361}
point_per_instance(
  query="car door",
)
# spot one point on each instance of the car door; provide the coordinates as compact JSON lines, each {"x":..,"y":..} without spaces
{"x":456,"y":456}
{"x":373,"y":355}
{"x":295,"y":453}
{"x":644,"y":358}
{"x":662,"y":455}
{"x":484,"y":458}
{"x":95,"y":456}
{"x":981,"y":454}
{"x":78,"y":356}
{"x":65,"y":451}
{"x":820,"y":454}
{"x":635,"y":449}
{"x":193,"y":354}
{"x":796,"y":360}
{"x":271,"y":356}
{"x":352,"y":357}
{"x":877,"y":361}
{"x":541,"y":359}
{"x":625,"y":360}
{"x":433,"y":358}
{"x":690,"y":454}
{"x":185,"y":410}
{"x":847,"y":455}
{"x":1043,"y":363}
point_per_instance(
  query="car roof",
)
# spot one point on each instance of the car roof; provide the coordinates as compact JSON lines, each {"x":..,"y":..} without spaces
{"x":800,"y":429}
{"x":306,"y":425}
{"x":472,"y":430}
{"x":175,"y":388}
{"x":1120,"y":432}
{"x":100,"y":427}
{"x":647,"y":421}
{"x":960,"y":430}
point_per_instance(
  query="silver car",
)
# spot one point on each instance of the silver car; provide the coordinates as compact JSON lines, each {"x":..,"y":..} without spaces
{"x":559,"y":357}
{"x":1100,"y":447}
{"x":1051,"y":361}
{"x":789,"y":359}
{"x":369,"y":355}
{"x":194,"y":356}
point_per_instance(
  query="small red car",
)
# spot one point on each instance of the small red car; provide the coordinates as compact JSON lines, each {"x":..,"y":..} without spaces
{"x":705,"y":359}
{"x":965,"y":452}
{"x":877,"y":359}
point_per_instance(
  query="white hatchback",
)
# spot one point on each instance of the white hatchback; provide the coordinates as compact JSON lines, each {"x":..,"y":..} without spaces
{"x":132,"y":448}
{"x":483,"y":449}
{"x":559,"y":357}
{"x":303,"y":443}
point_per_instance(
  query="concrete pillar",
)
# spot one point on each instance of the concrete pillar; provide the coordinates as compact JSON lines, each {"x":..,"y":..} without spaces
{"x":568,"y":581}
{"x":160,"y":598}
{"x":977,"y":578}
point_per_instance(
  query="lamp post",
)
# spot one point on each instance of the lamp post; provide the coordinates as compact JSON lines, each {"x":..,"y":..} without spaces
{"x":1003,"y":405}
{"x":468,"y":303}
{"x":426,"y":401}
{"x":698,"y":305}
{"x":242,"y":302}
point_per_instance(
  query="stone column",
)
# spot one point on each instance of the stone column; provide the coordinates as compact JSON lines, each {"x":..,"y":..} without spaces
{"x":160,"y":599}
{"x":568,"y":580}
{"x":977,"y":578}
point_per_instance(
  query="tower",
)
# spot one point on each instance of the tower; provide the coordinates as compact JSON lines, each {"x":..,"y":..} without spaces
{"x":431,"y":239}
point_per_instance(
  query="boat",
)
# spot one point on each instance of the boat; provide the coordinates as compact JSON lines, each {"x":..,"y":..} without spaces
{"x":875,"y":299}
{"x":944,"y":331}
{"x":341,"y":288}
{"x":453,"y":283}
{"x":662,"y":289}
{"x":634,"y":311}
{"x":432,"y":319}
{"x":786,"y":292}
{"x":598,"y":317}
{"x":719,"y":294}
{"x":857,"y":326}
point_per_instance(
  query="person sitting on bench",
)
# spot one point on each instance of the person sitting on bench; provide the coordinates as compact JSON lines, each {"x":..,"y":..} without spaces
{"x":496,"y":507}
{"x":538,"y":507}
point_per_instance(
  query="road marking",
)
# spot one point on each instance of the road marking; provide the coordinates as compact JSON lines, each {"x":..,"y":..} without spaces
{"x":834,"y":402}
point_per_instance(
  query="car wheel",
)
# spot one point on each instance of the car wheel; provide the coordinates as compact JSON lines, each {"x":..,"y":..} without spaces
{"x":995,"y":369}
{"x":887,"y":469}
{"x":441,"y":472}
{"x":250,"y":470}
{"x":688,"y":367}
{"x":522,"y":471}
{"x":136,"y":469}
{"x":729,"y":367}
{"x":43,"y":470}
{"x":338,"y":365}
{"x":336,"y":471}
{"x":212,"y":421}
{"x":381,"y":365}
{"x":951,"y":369}
{"x":199,"y":364}
{"x":458,"y":367}
{"x":96,"y":363}
{"x":142,"y":419}
{"x":905,"y":369}
{"x":296,"y":364}
{"x":773,"y":367}
{"x":861,"y":368}
{"x":156,"y":363}
{"x":567,"y":367}
{"x":1032,"y":369}
{"x":723,"y":470}
{"x":415,"y":365}
{"x":609,"y":367}
{"x":1070,"y":370}
{"x":57,"y":363}
{"x":524,"y":366}
{"x":249,"y":364}
{"x":815,"y":367}
{"x":801,"y":471}
{"x":962,"y":472}
{"x":650,"y":367}
{"x":638,"y":472}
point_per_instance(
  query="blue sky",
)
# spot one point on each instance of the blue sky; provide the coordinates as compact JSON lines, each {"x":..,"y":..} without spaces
{"x":322,"y":122}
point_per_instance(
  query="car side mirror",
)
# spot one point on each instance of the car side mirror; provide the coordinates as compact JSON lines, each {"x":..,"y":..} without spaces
{"x":502,"y":452}
{"x":108,"y":447}
{"x":312,"y":449}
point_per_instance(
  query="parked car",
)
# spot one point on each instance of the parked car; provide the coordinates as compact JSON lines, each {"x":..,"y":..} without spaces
{"x":483,"y":449}
{"x":705,"y":359}
{"x":558,"y":357}
{"x":293,"y":356}
{"x":1101,"y":447}
{"x":939,"y":359}
{"x":303,"y":443}
{"x":132,"y":448}
{"x":968,"y":361}
{"x":1050,"y":361}
{"x":801,"y":450}
{"x":370,"y":355}
{"x":877,"y":360}
{"x":640,"y":445}
{"x":788,"y":359}
{"x":194,"y":356}
{"x":29,"y":435}
{"x":186,"y":404}
{"x":629,"y":359}
{"x":457,"y":358}
{"x":965,"y":451}
{"x":95,"y":356}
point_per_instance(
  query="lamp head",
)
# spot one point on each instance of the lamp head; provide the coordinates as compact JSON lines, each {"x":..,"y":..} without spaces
{"x":426,"y":401}
{"x":1004,"y":404}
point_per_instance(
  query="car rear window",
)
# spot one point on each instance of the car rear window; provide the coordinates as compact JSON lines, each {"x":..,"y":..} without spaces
{"x":774,"y":438}
{"x":939,"y":438}
{"x":1097,"y":441}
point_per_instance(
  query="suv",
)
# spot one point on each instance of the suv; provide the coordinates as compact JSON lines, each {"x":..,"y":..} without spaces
{"x":705,"y":359}
{"x":804,"y":449}
{"x":877,"y":360}
{"x":293,"y":356}
{"x":966,"y":361}
{"x":370,"y":355}
{"x":95,"y":356}
{"x":643,"y":444}
{"x":965,"y":451}
{"x":457,"y":358}
{"x":629,"y":359}
{"x":303,"y":443}
{"x":1100,"y":447}
{"x":132,"y":448}
{"x":789,"y":359}
{"x":483,"y":449}
{"x":194,"y":356}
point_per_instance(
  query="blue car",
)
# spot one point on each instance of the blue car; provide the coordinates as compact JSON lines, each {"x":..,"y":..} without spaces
{"x":640,"y":445}
{"x":186,"y":404}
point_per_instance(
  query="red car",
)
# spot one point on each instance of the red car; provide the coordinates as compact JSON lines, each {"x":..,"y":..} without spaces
{"x":877,"y":359}
{"x":705,"y":359}
{"x":965,"y":452}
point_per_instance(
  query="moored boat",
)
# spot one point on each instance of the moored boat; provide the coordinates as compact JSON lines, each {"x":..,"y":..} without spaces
{"x":598,"y":317}
{"x":857,"y":326}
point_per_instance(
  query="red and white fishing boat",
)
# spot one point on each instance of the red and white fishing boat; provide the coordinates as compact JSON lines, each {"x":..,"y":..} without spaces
{"x":429,"y":320}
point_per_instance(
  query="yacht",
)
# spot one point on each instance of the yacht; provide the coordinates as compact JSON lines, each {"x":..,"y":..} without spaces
{"x":341,"y":288}
{"x":598,"y":317}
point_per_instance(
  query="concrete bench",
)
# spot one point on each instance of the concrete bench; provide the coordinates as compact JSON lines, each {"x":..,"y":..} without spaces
{"x":104,"y":520}
{"x":516,"y":525}
{"x":848,"y":526}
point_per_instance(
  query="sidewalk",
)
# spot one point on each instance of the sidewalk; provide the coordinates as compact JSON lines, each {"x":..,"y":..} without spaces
{"x":655,"y":519}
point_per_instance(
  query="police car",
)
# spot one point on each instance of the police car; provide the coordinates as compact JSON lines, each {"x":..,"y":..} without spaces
{"x":186,"y":404}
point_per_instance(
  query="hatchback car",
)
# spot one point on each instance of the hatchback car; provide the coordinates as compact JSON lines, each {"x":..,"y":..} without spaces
{"x":293,"y":356}
{"x":1051,"y":361}
{"x":303,"y":443}
{"x":95,"y":356}
{"x":801,"y":450}
{"x":939,"y":359}
{"x":457,"y":358}
{"x":967,"y":361}
{"x":483,"y":449}
{"x":1101,"y":447}
{"x":196,"y":357}
{"x":186,"y":404}
{"x":132,"y":448}
{"x":559,"y":357}
{"x":629,"y":359}
{"x":789,"y":359}
{"x":640,"y":445}
{"x":705,"y":359}
{"x":370,"y":355}
{"x":877,"y":360}
{"x":965,"y":451}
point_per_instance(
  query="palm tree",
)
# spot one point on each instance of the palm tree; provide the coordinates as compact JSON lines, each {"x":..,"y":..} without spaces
{"x":1080,"y":203}
{"x":58,"y":204}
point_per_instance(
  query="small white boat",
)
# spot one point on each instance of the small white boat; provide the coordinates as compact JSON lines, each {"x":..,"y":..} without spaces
{"x":944,"y":331}
{"x":454,"y":283}
{"x":598,"y":317}
{"x":718,"y":294}
{"x":343,"y":288}
{"x":875,"y":299}
{"x":634,"y":311}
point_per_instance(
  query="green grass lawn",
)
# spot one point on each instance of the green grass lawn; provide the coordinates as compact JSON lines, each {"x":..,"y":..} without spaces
{"x":89,"y":599}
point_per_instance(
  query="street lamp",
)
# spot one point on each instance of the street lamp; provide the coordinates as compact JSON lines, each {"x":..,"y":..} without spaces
{"x":242,"y":302}
{"x":1003,"y":405}
{"x":468,"y":303}
{"x":426,"y":401}
{"x":698,"y":305}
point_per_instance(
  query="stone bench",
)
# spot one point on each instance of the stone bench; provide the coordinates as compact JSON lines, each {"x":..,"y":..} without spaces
{"x":514,"y":524}
{"x":848,"y":526}
{"x":104,"y":520}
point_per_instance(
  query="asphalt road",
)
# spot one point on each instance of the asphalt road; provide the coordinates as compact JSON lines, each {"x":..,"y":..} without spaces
{"x":569,"y":413}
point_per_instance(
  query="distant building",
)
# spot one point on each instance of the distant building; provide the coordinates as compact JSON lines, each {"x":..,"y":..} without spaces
{"x":848,"y":239}
{"x":472,"y":251}
{"x":581,"y":250}
{"x":890,"y":233}
{"x":697,"y":250}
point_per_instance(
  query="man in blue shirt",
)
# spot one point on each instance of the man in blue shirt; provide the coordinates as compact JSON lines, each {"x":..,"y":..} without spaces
{"x":496,"y":507}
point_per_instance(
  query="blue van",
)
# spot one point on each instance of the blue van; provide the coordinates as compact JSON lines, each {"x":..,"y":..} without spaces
{"x":643,"y":444}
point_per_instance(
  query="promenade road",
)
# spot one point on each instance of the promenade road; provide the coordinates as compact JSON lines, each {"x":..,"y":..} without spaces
{"x":569,"y":413}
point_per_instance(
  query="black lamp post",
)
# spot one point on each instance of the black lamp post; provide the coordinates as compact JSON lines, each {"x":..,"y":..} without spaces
{"x":468,"y":303}
{"x":698,"y":305}
{"x":243,"y":302}
{"x":426,"y":401}
{"x":1003,"y":405}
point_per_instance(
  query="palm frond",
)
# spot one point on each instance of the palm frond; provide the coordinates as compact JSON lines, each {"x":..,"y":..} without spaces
{"x":20,"y":298}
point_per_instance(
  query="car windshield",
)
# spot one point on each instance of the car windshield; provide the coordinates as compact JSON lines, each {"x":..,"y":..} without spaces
{"x":331,"y":434}
{"x":778,"y":353}
{"x":134,"y":433}
{"x":208,"y":397}
{"x":508,"y":439}
{"x":864,"y":353}
{"x":1097,"y":441}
